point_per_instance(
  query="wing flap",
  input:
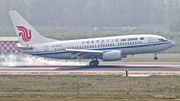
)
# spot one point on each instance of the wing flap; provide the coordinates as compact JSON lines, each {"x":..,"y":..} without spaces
{"x":82,"y":50}
{"x":80,"y":53}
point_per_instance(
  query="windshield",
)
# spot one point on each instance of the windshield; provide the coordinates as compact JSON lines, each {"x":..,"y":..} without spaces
{"x":161,"y":39}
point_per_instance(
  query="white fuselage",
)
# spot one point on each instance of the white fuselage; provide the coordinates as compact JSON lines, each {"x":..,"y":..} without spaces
{"x":128,"y":45}
{"x":107,"y":48}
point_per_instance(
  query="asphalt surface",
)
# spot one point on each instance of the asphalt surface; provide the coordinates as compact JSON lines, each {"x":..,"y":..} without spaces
{"x":104,"y":66}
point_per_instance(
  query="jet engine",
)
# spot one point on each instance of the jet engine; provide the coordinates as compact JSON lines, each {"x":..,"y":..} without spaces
{"x":111,"y":56}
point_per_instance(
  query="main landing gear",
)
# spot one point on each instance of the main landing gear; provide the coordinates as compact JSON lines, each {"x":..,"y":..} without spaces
{"x":155,"y":57}
{"x":93,"y":63}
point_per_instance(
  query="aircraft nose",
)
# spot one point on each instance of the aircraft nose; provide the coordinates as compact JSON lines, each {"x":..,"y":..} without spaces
{"x":172,"y":43}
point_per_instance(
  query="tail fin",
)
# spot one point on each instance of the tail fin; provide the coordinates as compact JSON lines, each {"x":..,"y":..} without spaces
{"x":27,"y":35}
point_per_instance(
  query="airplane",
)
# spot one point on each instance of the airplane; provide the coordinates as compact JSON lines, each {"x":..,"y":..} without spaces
{"x":104,"y":48}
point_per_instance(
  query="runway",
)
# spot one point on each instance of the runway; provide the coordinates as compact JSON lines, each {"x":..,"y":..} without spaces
{"x":103,"y":66}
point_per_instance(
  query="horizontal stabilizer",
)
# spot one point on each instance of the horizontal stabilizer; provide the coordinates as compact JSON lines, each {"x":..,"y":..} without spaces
{"x":18,"y":45}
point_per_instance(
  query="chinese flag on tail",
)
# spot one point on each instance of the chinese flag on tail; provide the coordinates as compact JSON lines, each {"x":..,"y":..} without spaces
{"x":142,"y":38}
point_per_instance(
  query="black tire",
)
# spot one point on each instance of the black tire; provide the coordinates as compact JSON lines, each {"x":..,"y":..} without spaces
{"x":155,"y":58}
{"x":96,"y":62}
{"x":92,"y":64}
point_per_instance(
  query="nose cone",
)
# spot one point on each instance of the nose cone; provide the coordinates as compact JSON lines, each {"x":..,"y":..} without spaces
{"x":172,"y":43}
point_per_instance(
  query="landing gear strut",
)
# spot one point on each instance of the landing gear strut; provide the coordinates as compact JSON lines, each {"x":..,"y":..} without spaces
{"x":155,"y":57}
{"x":93,"y":63}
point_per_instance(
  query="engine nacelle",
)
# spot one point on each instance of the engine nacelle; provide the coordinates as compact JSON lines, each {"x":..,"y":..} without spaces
{"x":112,"y":56}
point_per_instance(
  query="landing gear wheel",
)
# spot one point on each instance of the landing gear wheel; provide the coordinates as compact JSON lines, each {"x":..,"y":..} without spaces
{"x":92,"y":64}
{"x":155,"y":58}
{"x":96,"y":62}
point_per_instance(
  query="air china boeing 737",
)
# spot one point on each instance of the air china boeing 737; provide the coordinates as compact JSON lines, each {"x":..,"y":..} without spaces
{"x":106,"y":48}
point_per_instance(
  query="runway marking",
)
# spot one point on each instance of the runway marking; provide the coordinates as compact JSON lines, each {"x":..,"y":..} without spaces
{"x":5,"y":68}
{"x":101,"y":67}
{"x":155,"y":65}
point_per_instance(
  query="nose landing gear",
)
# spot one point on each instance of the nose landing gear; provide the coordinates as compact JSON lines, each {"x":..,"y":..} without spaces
{"x":93,"y":63}
{"x":155,"y":57}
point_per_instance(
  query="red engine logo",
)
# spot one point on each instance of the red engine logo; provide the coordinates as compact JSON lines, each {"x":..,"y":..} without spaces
{"x":25,"y":33}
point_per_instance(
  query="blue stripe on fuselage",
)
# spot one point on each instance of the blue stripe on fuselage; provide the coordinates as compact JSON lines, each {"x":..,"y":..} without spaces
{"x":100,"y":48}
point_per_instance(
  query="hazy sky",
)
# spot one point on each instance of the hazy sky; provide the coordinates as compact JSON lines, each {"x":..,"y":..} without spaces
{"x":92,"y":13}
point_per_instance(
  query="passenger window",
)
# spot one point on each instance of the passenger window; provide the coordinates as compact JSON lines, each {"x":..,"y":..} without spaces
{"x":123,"y":39}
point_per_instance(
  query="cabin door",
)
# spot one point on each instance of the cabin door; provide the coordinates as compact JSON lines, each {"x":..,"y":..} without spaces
{"x":46,"y":50}
{"x":150,"y":40}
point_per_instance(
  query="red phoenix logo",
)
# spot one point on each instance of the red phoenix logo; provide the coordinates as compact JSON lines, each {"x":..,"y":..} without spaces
{"x":26,"y":33}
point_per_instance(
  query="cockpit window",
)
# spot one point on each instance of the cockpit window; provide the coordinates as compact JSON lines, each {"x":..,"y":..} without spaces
{"x":161,"y":39}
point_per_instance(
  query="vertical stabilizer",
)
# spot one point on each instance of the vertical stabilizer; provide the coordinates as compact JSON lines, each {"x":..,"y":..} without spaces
{"x":26,"y":34}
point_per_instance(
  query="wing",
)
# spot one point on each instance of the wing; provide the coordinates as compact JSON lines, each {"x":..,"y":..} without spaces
{"x":85,"y":54}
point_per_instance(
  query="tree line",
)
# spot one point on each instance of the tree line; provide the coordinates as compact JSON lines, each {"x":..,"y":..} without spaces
{"x":71,"y":33}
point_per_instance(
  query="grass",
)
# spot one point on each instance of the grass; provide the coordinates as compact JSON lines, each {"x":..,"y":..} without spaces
{"x":88,"y":87}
